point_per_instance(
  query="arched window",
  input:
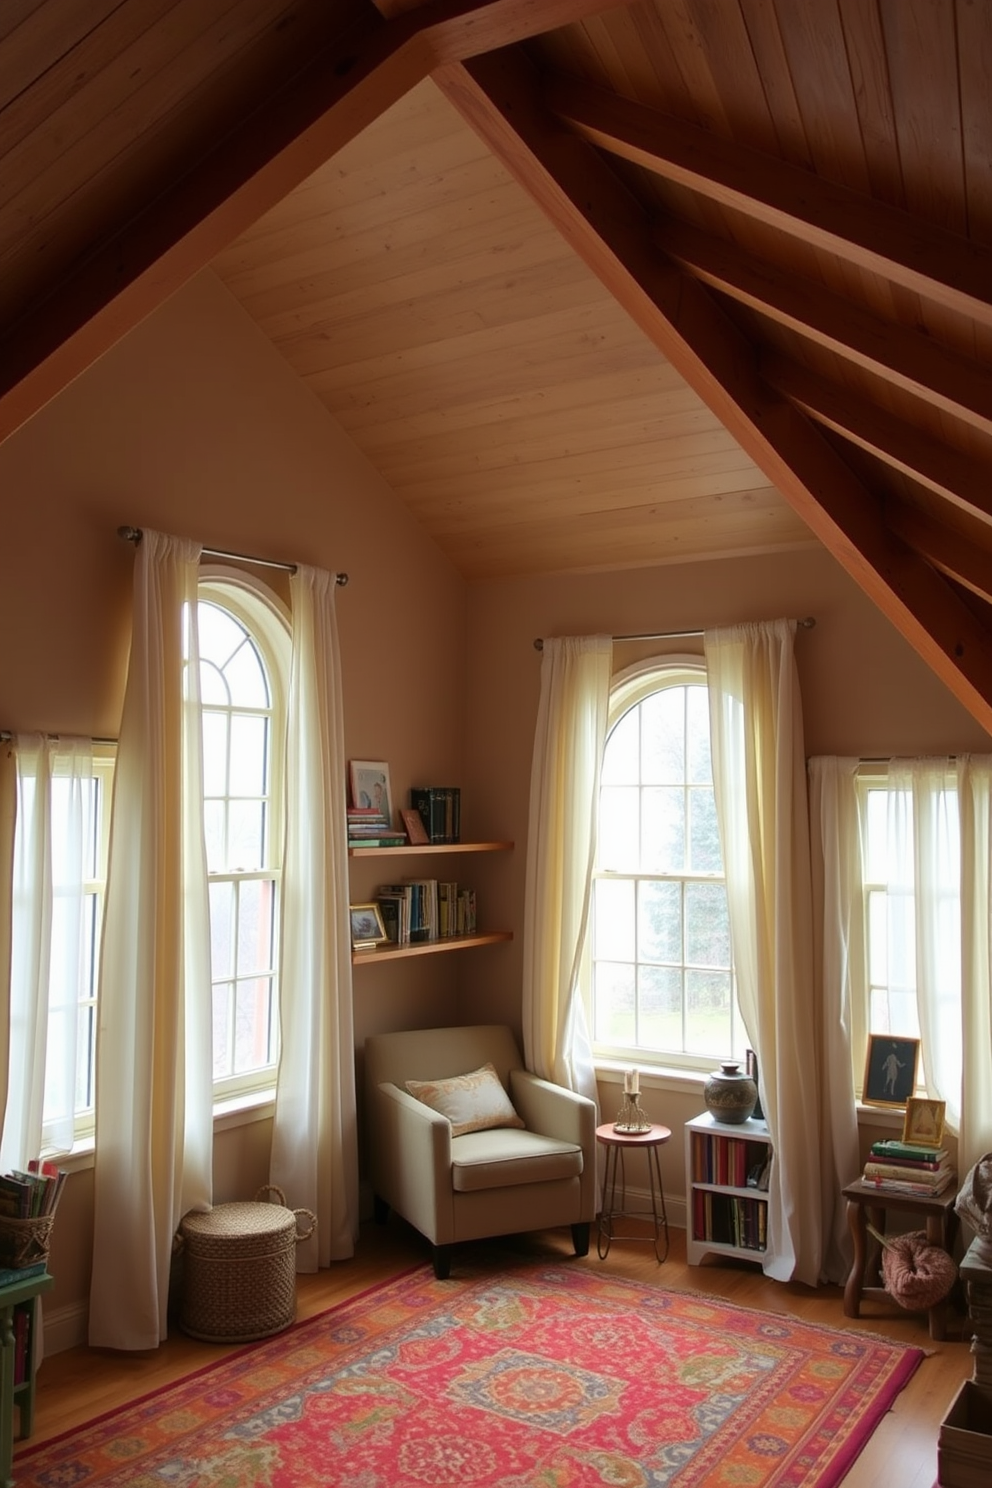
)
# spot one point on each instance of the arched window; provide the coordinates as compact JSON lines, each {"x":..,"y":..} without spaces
{"x":662,"y":971}
{"x":244,"y":652}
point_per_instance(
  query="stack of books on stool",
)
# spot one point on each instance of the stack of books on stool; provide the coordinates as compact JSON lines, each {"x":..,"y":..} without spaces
{"x":909,"y":1168}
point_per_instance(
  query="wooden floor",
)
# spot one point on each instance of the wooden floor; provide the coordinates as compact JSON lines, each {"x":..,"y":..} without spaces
{"x":79,"y":1384}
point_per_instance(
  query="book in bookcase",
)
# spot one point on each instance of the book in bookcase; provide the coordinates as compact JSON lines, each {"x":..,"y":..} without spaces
{"x":727,"y":1174}
{"x":425,"y":909}
{"x":439,"y":807}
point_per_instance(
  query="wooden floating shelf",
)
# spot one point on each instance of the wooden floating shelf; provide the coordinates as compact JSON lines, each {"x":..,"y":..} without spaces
{"x":428,"y":947}
{"x":428,"y":847}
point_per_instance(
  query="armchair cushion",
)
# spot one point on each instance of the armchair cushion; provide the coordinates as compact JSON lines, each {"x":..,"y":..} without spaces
{"x":472,"y":1102}
{"x":499,"y":1159}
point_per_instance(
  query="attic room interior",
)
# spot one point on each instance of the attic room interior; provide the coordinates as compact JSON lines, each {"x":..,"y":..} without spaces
{"x":570,"y":319}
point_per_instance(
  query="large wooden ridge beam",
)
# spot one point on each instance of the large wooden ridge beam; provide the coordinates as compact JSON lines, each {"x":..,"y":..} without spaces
{"x":341,"y":89}
{"x":501,"y":97}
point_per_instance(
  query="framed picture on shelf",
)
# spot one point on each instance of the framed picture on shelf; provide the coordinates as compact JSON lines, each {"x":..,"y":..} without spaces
{"x":370,"y":786}
{"x":415,"y":829}
{"x":924,"y":1123}
{"x":367,"y":928}
{"x":890,"y":1069}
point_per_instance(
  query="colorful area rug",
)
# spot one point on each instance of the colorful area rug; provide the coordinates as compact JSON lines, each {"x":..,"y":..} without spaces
{"x":533,"y":1376}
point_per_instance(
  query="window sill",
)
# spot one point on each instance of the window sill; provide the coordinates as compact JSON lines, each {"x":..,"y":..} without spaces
{"x":691,"y":1082}
{"x":240,"y":1110}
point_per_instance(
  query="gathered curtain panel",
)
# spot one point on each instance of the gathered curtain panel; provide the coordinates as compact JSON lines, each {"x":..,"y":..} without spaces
{"x":314,"y":1142}
{"x":154,"y":1090}
{"x":759,"y":778}
{"x":47,"y":945}
{"x":570,"y":737}
{"x":939,"y":833}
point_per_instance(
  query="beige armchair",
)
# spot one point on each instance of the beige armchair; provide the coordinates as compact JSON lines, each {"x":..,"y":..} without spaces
{"x":481,"y":1183}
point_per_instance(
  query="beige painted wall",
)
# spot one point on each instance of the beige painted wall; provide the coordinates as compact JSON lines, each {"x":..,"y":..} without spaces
{"x":865,"y":692}
{"x":193,"y":425}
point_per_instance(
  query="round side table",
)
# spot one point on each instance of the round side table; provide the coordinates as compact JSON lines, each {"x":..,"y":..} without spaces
{"x":617,"y":1144}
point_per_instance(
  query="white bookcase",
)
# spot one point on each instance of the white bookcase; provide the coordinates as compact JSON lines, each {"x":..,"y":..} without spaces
{"x":726,"y":1169}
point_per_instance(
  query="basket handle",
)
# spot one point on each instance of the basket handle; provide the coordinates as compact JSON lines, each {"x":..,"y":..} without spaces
{"x":308,"y":1214}
{"x":268,"y":1188}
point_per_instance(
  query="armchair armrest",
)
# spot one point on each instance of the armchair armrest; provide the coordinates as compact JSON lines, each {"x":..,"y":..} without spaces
{"x":411,"y":1161}
{"x":553,"y":1110}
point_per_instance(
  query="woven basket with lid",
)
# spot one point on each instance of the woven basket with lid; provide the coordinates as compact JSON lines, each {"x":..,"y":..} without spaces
{"x":239,"y":1264}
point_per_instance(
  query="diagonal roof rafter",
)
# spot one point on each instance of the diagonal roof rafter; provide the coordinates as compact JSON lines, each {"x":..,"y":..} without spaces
{"x":502,"y":97}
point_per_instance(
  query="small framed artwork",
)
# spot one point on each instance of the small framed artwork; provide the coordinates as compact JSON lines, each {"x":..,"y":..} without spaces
{"x":890,"y":1069}
{"x":370,"y":786}
{"x":367,"y":929}
{"x":415,"y":830}
{"x":924,"y":1124}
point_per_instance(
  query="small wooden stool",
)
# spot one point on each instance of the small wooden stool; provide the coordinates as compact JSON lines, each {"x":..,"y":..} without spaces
{"x":865,"y":1201}
{"x":616,"y":1144}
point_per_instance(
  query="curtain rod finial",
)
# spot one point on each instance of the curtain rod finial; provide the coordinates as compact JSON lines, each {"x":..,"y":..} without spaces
{"x":130,"y":534}
{"x":341,"y":578}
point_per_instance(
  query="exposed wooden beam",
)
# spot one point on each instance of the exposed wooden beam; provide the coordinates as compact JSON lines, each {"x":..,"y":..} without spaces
{"x":945,"y":268}
{"x":898,"y":353}
{"x":336,"y":92}
{"x":942,"y":468}
{"x":500,"y":97}
{"x":955,"y":555}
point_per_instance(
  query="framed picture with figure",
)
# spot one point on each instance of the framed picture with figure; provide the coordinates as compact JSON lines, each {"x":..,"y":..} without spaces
{"x":370,"y":787}
{"x":924,"y":1124}
{"x":890,"y":1069}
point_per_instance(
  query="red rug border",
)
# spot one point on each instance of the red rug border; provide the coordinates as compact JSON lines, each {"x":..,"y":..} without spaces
{"x":30,"y":1448}
{"x":913,"y":1354}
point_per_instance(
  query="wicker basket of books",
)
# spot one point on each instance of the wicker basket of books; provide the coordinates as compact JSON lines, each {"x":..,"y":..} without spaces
{"x":25,"y":1242}
{"x":28,"y":1200}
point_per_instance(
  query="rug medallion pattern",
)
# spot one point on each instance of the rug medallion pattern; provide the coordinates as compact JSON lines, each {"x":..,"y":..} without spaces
{"x":527,"y":1377}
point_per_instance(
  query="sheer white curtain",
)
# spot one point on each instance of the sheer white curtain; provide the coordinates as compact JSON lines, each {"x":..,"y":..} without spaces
{"x":974,"y":775}
{"x":47,"y":957}
{"x":561,"y":848}
{"x":759,"y":776}
{"x":154,"y":1095}
{"x":314,"y":1142}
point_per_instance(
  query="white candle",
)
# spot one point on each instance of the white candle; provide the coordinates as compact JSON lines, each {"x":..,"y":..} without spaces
{"x":631,"y":1082}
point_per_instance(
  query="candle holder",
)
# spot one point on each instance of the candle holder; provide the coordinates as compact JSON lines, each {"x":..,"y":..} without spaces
{"x":631,"y":1117}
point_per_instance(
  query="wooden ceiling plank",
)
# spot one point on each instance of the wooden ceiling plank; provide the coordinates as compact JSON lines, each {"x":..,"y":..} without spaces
{"x":901,"y":354}
{"x":937,"y":465}
{"x":501,"y":98}
{"x":28,"y":45}
{"x":285,"y":138}
{"x":765,"y":40}
{"x":950,"y":270}
{"x":872,"y":98}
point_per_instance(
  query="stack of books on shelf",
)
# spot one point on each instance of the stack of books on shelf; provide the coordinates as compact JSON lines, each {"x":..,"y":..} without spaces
{"x":424,"y":909}
{"x":440,"y":808}
{"x":368,"y":827}
{"x":909,"y":1167}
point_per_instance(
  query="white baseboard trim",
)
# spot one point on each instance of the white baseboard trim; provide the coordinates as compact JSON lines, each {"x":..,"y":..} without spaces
{"x":64,"y":1327}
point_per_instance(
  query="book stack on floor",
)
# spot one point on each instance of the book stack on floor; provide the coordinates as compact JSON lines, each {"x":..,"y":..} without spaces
{"x":909,"y":1167}
{"x":368,"y":827}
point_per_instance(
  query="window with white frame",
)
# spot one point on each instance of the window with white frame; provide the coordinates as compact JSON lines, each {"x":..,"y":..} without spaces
{"x":243,"y":663}
{"x":662,"y":974}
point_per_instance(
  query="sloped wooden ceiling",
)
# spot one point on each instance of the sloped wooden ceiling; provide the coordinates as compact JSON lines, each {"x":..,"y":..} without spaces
{"x":774,"y":215}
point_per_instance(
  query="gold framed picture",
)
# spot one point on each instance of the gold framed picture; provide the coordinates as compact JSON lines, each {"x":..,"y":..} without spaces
{"x":367,"y":929}
{"x":924,"y":1123}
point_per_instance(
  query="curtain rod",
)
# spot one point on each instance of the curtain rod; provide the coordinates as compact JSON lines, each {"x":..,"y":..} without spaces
{"x":674,"y":635}
{"x":6,"y":736}
{"x":134,"y":534}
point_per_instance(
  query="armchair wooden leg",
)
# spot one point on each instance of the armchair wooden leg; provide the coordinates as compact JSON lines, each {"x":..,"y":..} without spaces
{"x":580,"y":1239}
{"x":442,"y":1262}
{"x":380,"y":1209}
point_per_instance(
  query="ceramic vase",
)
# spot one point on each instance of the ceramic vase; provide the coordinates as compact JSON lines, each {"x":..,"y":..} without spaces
{"x":730,"y":1095}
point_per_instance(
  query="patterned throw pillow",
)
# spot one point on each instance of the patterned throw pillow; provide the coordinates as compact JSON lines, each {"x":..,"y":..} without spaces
{"x":472,"y":1102}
